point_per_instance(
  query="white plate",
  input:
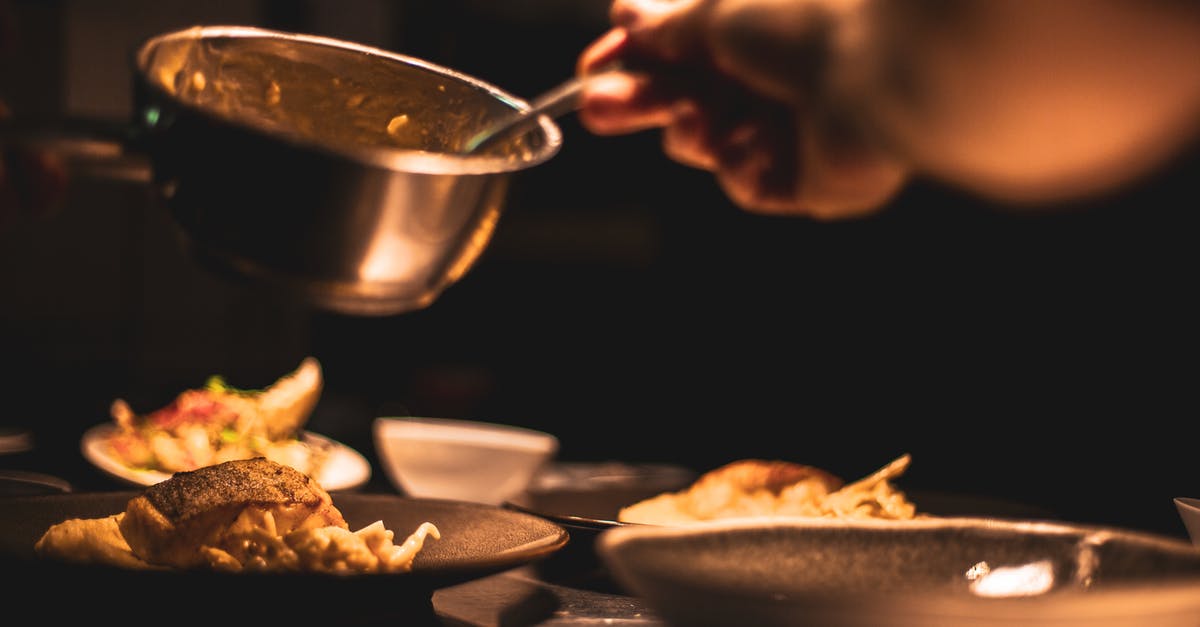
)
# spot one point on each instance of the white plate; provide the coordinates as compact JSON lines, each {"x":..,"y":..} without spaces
{"x":345,"y":468}
{"x":951,"y":572}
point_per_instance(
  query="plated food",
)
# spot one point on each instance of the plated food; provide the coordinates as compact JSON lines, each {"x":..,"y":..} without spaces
{"x":341,"y":468}
{"x":240,"y":515}
{"x":218,"y":423}
{"x":751,"y":488}
{"x":593,"y":499}
{"x":477,"y":540}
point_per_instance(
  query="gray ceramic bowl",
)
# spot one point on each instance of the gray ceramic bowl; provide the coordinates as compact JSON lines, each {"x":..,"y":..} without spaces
{"x":938,"y":571}
{"x":1189,"y":512}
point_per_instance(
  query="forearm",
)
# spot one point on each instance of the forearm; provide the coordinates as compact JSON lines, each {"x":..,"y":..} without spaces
{"x":1022,"y":100}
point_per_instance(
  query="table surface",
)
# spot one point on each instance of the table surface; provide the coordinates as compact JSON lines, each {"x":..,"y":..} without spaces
{"x":521,"y":597}
{"x":557,"y":591}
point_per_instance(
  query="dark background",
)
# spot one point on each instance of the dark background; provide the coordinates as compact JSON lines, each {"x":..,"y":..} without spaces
{"x":1046,"y":357}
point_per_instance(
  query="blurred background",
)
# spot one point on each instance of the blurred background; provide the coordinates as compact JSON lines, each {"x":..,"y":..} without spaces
{"x":1046,"y":357}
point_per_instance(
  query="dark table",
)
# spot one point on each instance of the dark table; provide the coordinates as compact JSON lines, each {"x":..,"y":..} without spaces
{"x":522,"y":597}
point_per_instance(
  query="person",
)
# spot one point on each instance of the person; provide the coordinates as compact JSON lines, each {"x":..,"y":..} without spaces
{"x":828,"y":108}
{"x":1081,"y":112}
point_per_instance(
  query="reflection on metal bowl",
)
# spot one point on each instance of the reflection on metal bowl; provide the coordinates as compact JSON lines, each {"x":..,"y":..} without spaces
{"x":330,"y":169}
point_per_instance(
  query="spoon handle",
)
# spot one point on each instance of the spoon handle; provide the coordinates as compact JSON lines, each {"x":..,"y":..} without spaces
{"x":557,"y":101}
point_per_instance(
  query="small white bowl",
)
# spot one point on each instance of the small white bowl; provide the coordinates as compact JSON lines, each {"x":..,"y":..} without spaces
{"x":462,"y":460}
{"x":1189,"y":511}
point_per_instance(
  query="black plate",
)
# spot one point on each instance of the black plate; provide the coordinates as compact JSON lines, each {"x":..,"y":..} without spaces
{"x":477,"y":540}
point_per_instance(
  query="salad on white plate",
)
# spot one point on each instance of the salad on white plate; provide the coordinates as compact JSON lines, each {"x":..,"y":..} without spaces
{"x":219,"y":423}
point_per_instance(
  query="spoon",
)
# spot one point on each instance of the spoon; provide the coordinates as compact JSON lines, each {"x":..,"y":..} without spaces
{"x":557,"y":101}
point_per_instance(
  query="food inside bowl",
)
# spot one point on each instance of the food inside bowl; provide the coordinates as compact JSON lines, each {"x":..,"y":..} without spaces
{"x":220,"y":423}
{"x":770,"y":488}
{"x":339,"y":94}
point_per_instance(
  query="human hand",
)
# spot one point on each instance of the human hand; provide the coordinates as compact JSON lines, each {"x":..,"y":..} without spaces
{"x":734,"y":86}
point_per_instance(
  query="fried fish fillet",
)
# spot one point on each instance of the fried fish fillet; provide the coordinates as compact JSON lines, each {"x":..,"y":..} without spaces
{"x":182,"y":521}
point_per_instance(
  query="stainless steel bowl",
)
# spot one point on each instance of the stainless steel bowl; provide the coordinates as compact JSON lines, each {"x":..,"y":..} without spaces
{"x":334,"y":170}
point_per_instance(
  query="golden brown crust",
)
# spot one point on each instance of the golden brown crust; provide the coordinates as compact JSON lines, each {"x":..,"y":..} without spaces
{"x":243,"y":482}
{"x":169,"y":522}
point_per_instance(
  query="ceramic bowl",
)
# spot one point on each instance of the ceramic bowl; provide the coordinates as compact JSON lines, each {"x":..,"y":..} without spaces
{"x":465,"y":460}
{"x":1189,"y":511}
{"x":962,"y":572}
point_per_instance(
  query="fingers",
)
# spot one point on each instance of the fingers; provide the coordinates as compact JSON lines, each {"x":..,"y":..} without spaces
{"x":820,"y":171}
{"x":657,"y":42}
{"x":689,"y":137}
{"x":622,"y":102}
{"x":759,"y":139}
{"x":731,"y":137}
{"x":605,"y":51}
{"x":752,"y":154}
{"x":619,"y":102}
{"x":844,"y":175}
{"x":774,"y":160}
{"x":663,"y":30}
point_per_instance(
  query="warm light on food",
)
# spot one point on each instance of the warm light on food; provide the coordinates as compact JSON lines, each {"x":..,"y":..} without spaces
{"x":245,"y":515}
{"x":757,"y":488}
{"x":220,"y":423}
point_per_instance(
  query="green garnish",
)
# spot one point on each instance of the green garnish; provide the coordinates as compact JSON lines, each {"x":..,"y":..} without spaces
{"x":216,"y":383}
